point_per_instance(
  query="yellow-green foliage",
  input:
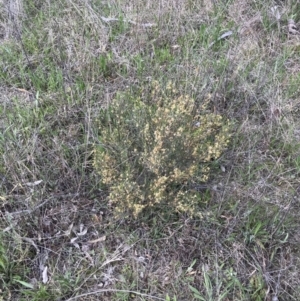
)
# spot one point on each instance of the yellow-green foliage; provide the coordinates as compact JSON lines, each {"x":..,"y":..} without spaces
{"x":152,"y":150}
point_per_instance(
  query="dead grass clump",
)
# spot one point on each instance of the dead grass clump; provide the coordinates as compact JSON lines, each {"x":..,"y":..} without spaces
{"x":149,"y":153}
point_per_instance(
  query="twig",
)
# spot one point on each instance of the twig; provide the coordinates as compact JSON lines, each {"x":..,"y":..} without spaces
{"x":29,"y":211}
{"x":114,"y":290}
{"x":107,"y":20}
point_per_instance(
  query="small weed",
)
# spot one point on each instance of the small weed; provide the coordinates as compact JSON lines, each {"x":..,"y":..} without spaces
{"x":210,"y":293}
{"x":257,"y":287}
{"x":168,"y":298}
{"x":40,"y":294}
{"x":12,"y":273}
{"x":163,"y":55}
{"x":256,"y":226}
{"x":118,"y":28}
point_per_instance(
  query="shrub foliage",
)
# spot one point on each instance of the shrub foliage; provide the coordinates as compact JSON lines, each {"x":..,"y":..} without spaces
{"x":152,"y":151}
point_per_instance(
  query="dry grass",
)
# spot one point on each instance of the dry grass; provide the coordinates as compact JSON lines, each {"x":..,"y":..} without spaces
{"x":60,"y":63}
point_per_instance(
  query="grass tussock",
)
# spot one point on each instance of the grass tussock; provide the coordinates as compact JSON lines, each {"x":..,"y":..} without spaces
{"x":182,"y":113}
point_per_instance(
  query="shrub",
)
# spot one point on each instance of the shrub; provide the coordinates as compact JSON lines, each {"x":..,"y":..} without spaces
{"x":152,"y":150}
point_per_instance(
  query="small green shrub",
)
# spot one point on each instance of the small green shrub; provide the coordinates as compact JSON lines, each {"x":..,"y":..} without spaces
{"x":154,"y":147}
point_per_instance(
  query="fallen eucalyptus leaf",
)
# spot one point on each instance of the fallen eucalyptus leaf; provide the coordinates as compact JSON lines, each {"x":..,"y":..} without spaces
{"x":44,"y":275}
{"x":292,"y":27}
{"x":68,"y":232}
{"x":102,"y":238}
{"x":223,"y":36}
{"x":275,"y":12}
{"x":31,"y":184}
{"x":82,"y":229}
{"x":73,"y":240}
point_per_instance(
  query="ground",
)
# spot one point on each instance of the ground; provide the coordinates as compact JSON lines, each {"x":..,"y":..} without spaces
{"x":62,"y":63}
